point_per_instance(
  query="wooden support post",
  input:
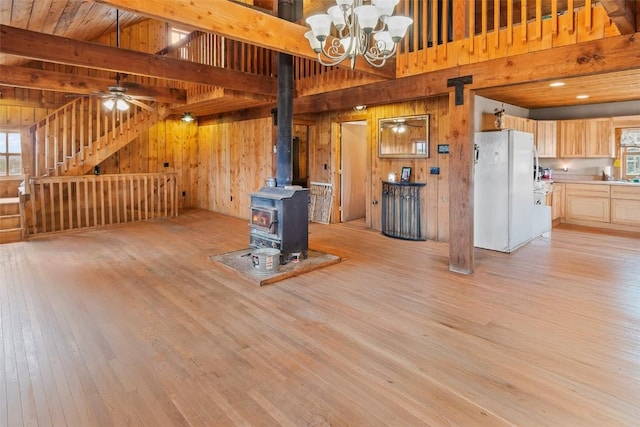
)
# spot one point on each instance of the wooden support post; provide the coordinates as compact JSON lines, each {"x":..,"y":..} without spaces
{"x":461,"y":182}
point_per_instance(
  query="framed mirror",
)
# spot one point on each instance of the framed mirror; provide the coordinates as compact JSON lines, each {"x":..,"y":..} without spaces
{"x":404,"y":137}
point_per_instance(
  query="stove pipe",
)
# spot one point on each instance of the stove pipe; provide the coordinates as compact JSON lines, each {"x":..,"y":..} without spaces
{"x":284,"y":111}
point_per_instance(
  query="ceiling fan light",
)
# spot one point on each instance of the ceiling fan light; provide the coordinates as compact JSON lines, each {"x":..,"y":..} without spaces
{"x":399,"y":128}
{"x":109,"y":103}
{"x":187,"y":118}
{"x":122,"y":105}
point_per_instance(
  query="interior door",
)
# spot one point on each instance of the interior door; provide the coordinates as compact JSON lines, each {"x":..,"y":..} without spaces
{"x":353,"y":149}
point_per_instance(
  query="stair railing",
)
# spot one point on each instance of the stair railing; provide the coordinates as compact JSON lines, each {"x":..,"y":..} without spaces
{"x":66,"y":136}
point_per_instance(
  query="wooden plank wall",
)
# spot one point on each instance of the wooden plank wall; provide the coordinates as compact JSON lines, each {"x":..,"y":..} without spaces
{"x":234,"y":160}
{"x":435,"y":202}
{"x":171,"y":142}
{"x":435,"y":198}
{"x":16,"y":117}
{"x":9,"y":187}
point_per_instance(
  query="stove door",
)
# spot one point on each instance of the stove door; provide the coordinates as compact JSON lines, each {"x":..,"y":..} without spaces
{"x":265,"y":220}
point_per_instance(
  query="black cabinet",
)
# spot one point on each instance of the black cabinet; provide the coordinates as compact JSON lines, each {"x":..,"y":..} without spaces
{"x":401,"y":210}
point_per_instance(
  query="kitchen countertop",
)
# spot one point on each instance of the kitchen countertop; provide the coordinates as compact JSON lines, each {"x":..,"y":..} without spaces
{"x":560,"y":181}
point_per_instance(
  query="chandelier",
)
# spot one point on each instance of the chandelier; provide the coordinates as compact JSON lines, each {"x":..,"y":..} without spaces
{"x":370,"y":31}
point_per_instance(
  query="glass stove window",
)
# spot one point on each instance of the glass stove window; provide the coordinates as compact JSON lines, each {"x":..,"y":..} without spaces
{"x":261,"y":218}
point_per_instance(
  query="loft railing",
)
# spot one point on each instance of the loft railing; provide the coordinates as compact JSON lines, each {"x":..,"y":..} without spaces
{"x":445,"y":34}
{"x":219,"y":51}
{"x":449,"y":33}
{"x":69,"y":203}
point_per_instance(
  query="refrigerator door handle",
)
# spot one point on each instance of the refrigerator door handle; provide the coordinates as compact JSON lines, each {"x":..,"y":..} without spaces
{"x":536,"y":162}
{"x":476,"y":150}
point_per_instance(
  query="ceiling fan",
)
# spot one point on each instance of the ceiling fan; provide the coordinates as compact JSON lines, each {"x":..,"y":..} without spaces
{"x":401,"y":125}
{"x":118,"y":98}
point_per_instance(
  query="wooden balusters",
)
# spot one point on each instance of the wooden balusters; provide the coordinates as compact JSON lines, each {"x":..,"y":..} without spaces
{"x":70,"y":203}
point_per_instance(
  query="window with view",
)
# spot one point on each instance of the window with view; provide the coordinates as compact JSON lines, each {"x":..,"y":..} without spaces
{"x":10,"y":154}
{"x":631,"y":158}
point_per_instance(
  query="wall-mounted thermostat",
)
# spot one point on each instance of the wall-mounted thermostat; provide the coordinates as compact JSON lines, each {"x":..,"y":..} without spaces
{"x":443,"y":148}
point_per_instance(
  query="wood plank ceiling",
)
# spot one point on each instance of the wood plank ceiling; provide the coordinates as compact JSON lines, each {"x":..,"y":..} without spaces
{"x":85,"y":20}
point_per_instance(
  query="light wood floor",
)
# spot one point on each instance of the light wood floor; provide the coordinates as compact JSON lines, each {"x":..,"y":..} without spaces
{"x":135,"y":325}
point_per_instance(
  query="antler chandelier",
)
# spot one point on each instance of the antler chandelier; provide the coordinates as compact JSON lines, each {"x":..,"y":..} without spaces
{"x":366,"y":30}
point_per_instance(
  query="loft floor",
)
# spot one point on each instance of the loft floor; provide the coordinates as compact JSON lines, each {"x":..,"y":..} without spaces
{"x":135,"y":325}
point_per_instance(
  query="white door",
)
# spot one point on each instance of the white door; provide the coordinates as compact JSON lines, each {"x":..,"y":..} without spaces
{"x":353,"y":151}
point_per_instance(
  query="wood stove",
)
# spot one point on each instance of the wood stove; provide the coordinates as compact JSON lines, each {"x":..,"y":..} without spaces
{"x":280,"y":220}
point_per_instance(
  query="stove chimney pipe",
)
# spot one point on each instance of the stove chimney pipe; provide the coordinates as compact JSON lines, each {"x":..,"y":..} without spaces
{"x":284,"y":112}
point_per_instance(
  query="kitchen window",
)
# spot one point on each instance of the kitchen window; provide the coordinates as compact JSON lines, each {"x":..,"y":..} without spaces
{"x":10,"y":154}
{"x":631,"y":162}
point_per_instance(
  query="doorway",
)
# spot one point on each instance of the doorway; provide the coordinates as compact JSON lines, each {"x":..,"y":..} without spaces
{"x":300,"y":156}
{"x":353,"y":167}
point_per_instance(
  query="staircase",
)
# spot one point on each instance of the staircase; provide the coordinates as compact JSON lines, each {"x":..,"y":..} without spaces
{"x":11,"y":220}
{"x":81,"y":134}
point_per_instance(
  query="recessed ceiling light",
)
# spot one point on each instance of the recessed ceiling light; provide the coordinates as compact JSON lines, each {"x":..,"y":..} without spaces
{"x":557,"y":84}
{"x":582,"y":96}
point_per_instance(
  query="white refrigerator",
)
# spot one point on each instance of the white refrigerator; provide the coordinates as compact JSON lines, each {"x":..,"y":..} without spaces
{"x":503,"y":190}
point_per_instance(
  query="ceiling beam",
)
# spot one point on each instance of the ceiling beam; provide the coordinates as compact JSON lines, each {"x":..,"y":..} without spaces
{"x":237,"y":22}
{"x":32,"y":78}
{"x":62,"y":50}
{"x":622,"y":14}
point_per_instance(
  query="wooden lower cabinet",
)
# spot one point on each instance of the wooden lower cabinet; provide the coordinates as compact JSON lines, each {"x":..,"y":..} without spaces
{"x":557,"y":202}
{"x":587,"y":202}
{"x":626,"y":212}
{"x":582,"y":208}
{"x":625,"y":205}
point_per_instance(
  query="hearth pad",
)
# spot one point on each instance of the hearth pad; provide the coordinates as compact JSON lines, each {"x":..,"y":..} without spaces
{"x":241,"y":262}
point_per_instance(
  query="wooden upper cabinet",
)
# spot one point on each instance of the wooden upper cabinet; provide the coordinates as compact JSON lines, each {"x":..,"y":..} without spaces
{"x":599,"y":138}
{"x":571,"y":138}
{"x":563,"y":138}
{"x":509,"y":122}
{"x":546,"y":138}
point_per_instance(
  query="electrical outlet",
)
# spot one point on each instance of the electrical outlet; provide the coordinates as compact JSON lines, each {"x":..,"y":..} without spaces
{"x":184,"y":193}
{"x":435,"y":171}
{"x":166,"y":164}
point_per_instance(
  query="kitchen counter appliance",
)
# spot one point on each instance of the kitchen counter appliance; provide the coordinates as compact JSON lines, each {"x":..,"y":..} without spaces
{"x":504,"y":212}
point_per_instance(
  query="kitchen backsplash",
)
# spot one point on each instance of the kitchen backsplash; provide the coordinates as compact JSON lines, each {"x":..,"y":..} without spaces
{"x":579,"y":169}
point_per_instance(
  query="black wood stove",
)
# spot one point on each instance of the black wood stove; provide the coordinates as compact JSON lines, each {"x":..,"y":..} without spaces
{"x":280,"y":220}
